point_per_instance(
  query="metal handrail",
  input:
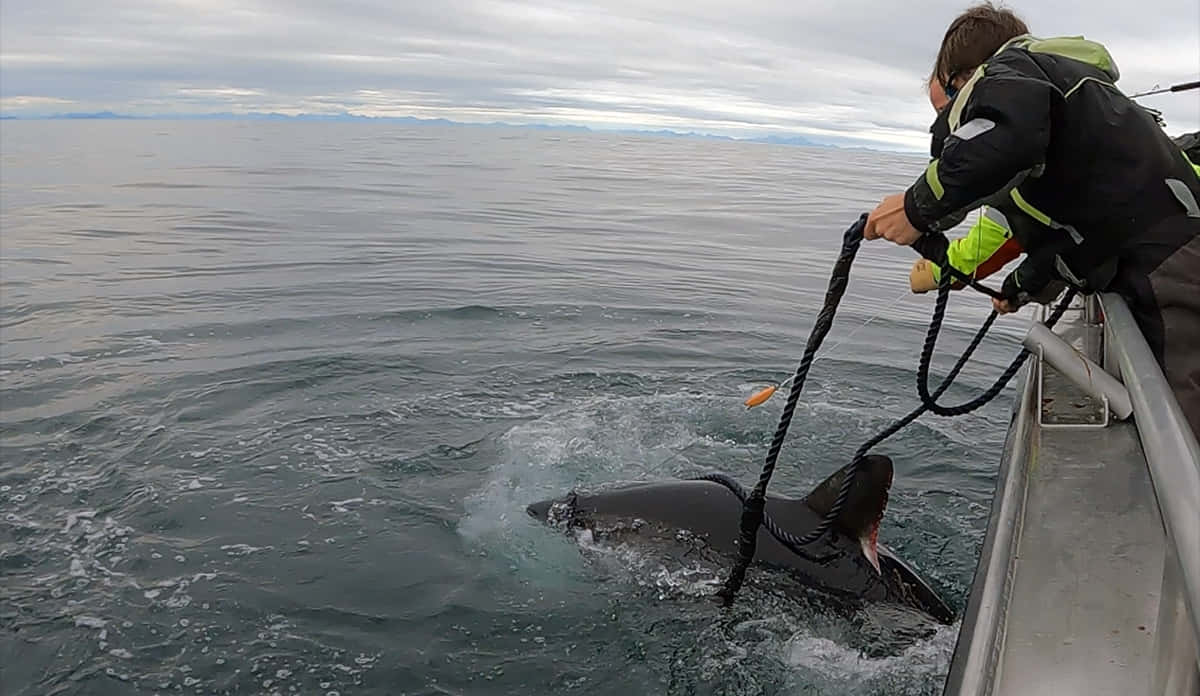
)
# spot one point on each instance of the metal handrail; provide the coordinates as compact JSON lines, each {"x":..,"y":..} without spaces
{"x":1172,"y":453}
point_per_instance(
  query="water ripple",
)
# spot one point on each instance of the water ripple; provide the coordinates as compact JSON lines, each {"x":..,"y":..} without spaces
{"x":273,"y":398}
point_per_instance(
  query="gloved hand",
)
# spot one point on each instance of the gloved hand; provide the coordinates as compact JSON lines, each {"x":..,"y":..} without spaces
{"x":1015,"y":296}
{"x":920,"y":278}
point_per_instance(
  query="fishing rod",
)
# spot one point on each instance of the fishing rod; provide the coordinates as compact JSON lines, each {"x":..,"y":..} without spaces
{"x":1181,"y":87}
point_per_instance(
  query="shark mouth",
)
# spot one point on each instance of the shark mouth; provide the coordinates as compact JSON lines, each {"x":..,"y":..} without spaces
{"x":869,"y":538}
{"x":870,"y":547}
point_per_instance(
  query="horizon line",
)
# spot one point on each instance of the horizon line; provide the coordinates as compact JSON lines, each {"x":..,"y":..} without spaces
{"x":790,"y":139}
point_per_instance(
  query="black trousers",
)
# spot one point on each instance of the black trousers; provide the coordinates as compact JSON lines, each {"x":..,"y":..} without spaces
{"x":1159,"y":276}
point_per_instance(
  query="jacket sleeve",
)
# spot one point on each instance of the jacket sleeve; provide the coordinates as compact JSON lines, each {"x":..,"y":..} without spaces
{"x":977,"y":251}
{"x":1000,"y":129}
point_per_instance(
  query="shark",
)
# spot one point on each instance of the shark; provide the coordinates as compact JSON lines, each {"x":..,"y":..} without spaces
{"x":848,"y":562}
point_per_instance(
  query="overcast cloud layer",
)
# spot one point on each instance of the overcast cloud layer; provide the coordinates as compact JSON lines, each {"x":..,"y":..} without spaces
{"x":851,"y":69}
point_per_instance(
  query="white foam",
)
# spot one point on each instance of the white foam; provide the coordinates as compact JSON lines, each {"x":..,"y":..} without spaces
{"x":645,"y":568}
{"x":573,"y":446}
{"x":74,"y":517}
{"x":838,"y":662}
{"x":90,"y":622}
{"x":243,"y":549}
{"x":178,"y":600}
{"x":340,"y":505}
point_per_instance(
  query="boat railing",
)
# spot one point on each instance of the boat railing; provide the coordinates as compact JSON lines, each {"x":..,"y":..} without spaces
{"x":1173,"y":460}
{"x":1164,"y":500}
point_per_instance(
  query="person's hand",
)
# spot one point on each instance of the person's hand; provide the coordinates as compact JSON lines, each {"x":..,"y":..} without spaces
{"x":889,"y":221}
{"x":1004,"y":306}
{"x":1011,"y":293}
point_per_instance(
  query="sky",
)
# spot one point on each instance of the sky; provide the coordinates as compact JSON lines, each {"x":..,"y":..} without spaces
{"x":844,"y":71}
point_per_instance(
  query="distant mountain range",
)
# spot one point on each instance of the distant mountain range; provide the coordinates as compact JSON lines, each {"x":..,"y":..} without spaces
{"x":797,"y":140}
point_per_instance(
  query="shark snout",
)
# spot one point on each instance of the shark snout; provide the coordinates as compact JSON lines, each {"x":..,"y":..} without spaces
{"x":540,"y":509}
{"x":555,"y":510}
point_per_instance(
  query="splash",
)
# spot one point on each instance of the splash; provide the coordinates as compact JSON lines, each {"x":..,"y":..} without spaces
{"x":599,"y":441}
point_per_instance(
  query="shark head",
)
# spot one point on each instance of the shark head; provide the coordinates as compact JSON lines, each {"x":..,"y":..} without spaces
{"x":860,"y":516}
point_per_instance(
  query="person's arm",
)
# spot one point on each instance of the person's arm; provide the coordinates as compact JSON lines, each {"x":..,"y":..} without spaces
{"x":984,"y":250}
{"x":1000,"y":127}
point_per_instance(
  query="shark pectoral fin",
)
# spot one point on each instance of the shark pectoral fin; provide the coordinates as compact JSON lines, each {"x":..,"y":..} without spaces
{"x":863,"y":511}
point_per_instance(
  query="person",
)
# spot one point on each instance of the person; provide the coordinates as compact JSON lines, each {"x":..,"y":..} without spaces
{"x":990,"y":243}
{"x":1039,"y":124}
{"x":985,"y":249}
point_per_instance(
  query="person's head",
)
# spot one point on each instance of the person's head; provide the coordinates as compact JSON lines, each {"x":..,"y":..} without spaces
{"x":972,"y":38}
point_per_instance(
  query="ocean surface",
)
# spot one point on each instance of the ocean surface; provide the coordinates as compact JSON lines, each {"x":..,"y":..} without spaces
{"x":274,"y":396}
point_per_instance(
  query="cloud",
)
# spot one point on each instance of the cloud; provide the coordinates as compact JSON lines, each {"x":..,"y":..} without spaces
{"x":218,"y":92}
{"x":851,"y":68}
{"x":31,"y":103}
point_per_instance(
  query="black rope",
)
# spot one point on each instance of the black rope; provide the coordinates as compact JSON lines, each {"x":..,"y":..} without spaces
{"x":934,"y":248}
{"x":768,"y":523}
{"x":935,"y":326}
{"x":753,"y":504}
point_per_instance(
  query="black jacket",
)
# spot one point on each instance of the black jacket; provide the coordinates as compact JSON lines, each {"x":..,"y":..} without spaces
{"x":1042,"y":128}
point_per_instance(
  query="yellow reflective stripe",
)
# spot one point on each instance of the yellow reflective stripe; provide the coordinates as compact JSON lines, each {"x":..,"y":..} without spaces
{"x":1033,"y":212}
{"x":960,"y":101}
{"x":1080,"y":84}
{"x":1195,"y":166}
{"x":931,"y":178}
